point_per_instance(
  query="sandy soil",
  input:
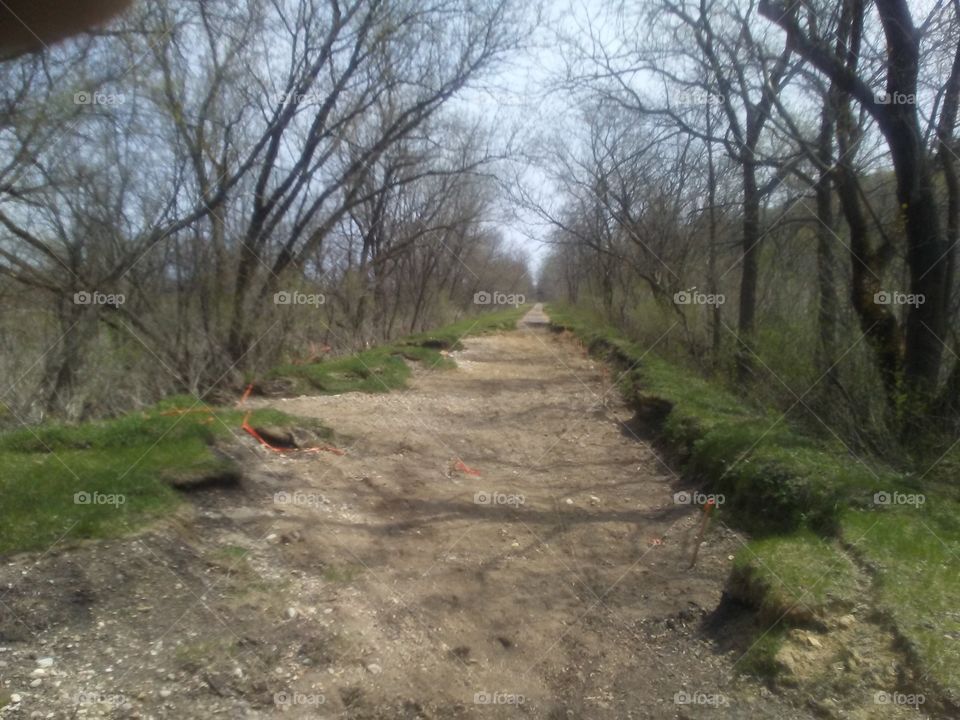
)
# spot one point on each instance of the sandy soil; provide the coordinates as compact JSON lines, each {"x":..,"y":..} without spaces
{"x":545,"y":576}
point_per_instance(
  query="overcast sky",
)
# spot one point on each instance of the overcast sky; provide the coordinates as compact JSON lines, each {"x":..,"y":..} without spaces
{"x":518,"y":102}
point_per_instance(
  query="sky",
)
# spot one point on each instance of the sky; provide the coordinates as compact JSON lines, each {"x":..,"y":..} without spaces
{"x":518,"y":101}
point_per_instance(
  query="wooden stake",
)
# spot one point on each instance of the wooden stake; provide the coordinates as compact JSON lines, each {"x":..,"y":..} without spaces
{"x":707,"y":510}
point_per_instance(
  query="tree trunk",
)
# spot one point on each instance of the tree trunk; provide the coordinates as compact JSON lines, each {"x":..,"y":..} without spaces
{"x":926,"y":257}
{"x":67,"y":364}
{"x":716,"y":318}
{"x":926,"y":247}
{"x":826,"y":352}
{"x":750,"y":260}
{"x":876,"y":320}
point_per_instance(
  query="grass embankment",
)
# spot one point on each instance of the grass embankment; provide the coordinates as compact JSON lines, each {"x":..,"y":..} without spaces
{"x":100,"y":479}
{"x":384,"y":368}
{"x":60,"y":483}
{"x":810,"y":506}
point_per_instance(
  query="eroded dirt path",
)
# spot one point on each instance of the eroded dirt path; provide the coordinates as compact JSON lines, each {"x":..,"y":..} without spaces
{"x":388,"y":583}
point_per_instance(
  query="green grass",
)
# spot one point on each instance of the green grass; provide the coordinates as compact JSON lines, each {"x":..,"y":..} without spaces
{"x":101,"y":479}
{"x":61,"y":483}
{"x":800,"y":495}
{"x":916,"y":554}
{"x":384,"y":368}
{"x":450,"y":335}
{"x":760,"y":657}
{"x":774,"y":477}
{"x":371,"y":371}
{"x":801,"y":574}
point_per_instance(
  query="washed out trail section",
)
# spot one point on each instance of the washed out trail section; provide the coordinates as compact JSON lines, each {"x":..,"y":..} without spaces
{"x":392,"y":582}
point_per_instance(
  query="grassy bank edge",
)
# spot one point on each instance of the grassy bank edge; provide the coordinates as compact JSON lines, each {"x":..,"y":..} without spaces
{"x":385,"y":367}
{"x":65,"y":482}
{"x":61,"y":483}
{"x":820,"y":541}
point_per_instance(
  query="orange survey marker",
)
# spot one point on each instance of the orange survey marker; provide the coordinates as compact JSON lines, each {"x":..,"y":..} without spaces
{"x":246,"y":426}
{"x":246,"y":394}
{"x":249,"y":429}
{"x":462,"y":467}
{"x":707,"y":509}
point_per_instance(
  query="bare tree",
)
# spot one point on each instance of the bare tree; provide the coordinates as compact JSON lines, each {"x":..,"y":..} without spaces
{"x":898,"y":117}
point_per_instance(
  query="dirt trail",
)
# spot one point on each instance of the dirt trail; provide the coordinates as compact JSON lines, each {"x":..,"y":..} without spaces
{"x":392,"y":583}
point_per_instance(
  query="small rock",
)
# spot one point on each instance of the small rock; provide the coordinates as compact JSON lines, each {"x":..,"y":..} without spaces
{"x":845,"y":621}
{"x":165,"y":692}
{"x":291,"y":613}
{"x":38,"y":672}
{"x":36,"y":683}
{"x":45,"y":662}
{"x":805,"y":638}
{"x":594,"y":500}
{"x":15,"y":698}
{"x":569,"y":501}
{"x":374,"y":669}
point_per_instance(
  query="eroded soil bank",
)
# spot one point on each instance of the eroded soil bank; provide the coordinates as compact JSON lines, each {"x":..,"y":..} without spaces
{"x":544,"y":575}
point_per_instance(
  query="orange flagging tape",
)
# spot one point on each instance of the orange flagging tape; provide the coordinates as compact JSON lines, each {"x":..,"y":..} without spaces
{"x":707,"y":509}
{"x":247,"y":427}
{"x":462,"y":467}
{"x":246,"y":394}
